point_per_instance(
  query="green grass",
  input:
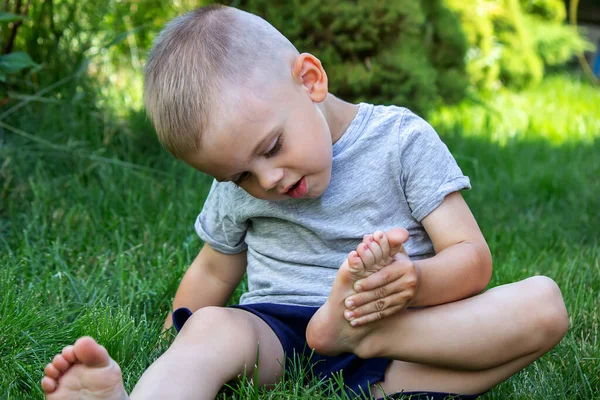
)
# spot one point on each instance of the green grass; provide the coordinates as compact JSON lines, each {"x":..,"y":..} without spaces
{"x":96,"y":229}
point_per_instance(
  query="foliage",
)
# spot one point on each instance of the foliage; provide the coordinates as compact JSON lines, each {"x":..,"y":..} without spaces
{"x":404,"y":52}
{"x":555,"y":43}
{"x":511,"y":42}
{"x":65,"y":33}
{"x":549,"y":10}
{"x":418,"y":54}
{"x":484,"y":50}
{"x":520,"y":65}
{"x":501,"y":51}
{"x":11,"y":62}
{"x":14,"y":62}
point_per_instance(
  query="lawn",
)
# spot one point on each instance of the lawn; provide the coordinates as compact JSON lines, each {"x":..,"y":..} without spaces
{"x":96,"y":225}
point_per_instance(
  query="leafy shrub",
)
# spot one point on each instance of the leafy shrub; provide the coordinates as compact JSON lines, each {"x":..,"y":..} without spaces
{"x":484,"y":50}
{"x":520,"y":66}
{"x":11,"y":62}
{"x":418,"y":54}
{"x":514,"y":40}
{"x":550,"y":10}
{"x":402,"y":52}
{"x":556,"y":43}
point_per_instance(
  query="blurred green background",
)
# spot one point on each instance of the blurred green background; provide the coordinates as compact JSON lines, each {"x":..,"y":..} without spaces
{"x":420,"y":54}
{"x":96,"y":219}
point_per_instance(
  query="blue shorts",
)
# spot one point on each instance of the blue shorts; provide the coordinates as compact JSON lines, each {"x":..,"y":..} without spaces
{"x":289,"y":323}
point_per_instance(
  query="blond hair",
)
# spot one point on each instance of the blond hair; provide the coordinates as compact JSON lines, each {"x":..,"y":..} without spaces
{"x":194,"y":61}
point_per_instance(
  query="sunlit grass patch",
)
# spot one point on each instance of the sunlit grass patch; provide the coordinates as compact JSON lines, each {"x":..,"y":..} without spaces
{"x":561,"y":109}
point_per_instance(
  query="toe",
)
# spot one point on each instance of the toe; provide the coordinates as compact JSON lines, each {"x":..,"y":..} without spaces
{"x":48,"y":385}
{"x":69,"y":354}
{"x":381,"y":239}
{"x":366,"y":256}
{"x":377,"y":252}
{"x":355,"y":263}
{"x":60,"y":363}
{"x":51,"y":371}
{"x":90,"y":353}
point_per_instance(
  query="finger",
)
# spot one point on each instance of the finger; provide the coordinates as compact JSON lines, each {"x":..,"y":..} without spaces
{"x":381,"y":239}
{"x":376,"y":316}
{"x":401,"y":298}
{"x":360,"y":299}
{"x":396,"y":237}
{"x":365,"y":254}
{"x":402,"y":250}
{"x":390,"y":273}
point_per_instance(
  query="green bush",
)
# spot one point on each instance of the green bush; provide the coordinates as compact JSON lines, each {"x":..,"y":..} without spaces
{"x":501,"y":51}
{"x":511,"y":42}
{"x":520,"y":65}
{"x":550,"y":10}
{"x":448,"y":46}
{"x":402,"y":52}
{"x":417,"y":54}
{"x":484,"y":51}
{"x":555,"y":43}
{"x":13,"y":64}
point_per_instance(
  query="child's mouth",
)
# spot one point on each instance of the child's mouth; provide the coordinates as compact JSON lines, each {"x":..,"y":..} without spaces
{"x":299,"y":189}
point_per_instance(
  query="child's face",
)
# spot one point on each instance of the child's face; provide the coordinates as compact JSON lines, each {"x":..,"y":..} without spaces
{"x":270,"y":142}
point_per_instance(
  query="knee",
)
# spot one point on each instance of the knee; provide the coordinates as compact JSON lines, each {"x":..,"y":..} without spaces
{"x":216,"y":321}
{"x":552,"y":320}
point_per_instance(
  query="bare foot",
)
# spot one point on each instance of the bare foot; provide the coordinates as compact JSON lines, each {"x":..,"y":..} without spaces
{"x":83,"y":371}
{"x":328,"y":332}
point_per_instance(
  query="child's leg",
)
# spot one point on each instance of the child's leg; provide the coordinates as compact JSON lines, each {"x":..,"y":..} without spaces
{"x":215,"y":346}
{"x":501,"y":330}
{"x":409,"y":377}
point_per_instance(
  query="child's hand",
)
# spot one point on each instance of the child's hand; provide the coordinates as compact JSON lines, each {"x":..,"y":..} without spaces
{"x":383,"y":293}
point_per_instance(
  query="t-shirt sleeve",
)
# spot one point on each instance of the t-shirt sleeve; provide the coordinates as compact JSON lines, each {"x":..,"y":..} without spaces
{"x":429,"y":172}
{"x":218,"y":224}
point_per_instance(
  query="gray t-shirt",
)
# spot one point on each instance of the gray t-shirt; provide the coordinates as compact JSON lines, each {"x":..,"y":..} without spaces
{"x":390,"y":169}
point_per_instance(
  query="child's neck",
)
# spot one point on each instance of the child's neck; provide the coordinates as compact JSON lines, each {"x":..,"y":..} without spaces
{"x":338,"y":114}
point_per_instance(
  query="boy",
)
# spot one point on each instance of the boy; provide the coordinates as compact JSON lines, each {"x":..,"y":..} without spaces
{"x":233,"y":98}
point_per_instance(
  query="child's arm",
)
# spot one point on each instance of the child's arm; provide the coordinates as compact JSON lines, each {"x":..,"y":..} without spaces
{"x":209,"y":281}
{"x":461,"y":268}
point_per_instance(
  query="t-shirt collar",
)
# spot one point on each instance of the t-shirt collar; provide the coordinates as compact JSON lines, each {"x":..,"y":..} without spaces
{"x":355,"y":129}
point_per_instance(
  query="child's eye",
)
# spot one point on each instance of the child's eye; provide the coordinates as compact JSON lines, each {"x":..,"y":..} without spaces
{"x":242,"y":178}
{"x":275,"y":149}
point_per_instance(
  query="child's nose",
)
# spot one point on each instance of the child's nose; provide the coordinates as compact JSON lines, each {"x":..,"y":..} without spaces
{"x":269,"y":178}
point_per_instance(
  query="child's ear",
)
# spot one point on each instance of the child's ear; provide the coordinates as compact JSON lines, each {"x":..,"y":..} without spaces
{"x":308,"y":70}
